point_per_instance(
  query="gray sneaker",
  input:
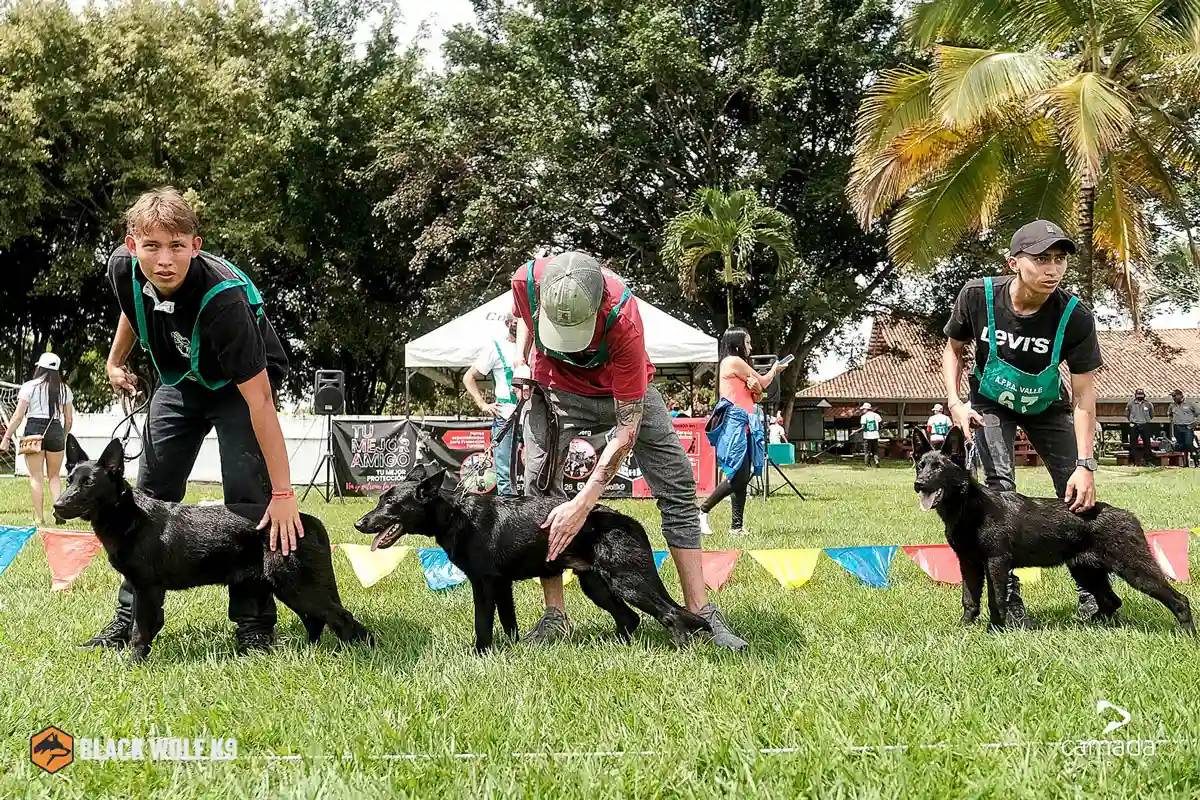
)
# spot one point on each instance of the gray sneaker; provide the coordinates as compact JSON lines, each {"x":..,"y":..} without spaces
{"x":553,"y":626}
{"x":721,"y":635}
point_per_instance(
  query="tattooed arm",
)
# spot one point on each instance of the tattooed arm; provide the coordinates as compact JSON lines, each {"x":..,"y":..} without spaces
{"x":567,"y":519}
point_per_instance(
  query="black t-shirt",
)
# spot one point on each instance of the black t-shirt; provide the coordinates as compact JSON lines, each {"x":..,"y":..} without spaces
{"x":1025,"y":342}
{"x":235,"y":344}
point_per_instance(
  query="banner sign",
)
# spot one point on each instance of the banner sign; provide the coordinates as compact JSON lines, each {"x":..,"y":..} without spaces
{"x":372,"y":455}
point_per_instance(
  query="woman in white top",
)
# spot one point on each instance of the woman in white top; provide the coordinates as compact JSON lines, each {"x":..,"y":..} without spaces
{"x":47,"y":402}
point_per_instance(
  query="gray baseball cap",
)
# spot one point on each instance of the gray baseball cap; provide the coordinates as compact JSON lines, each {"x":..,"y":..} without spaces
{"x":571,"y":291}
{"x":1037,"y":237}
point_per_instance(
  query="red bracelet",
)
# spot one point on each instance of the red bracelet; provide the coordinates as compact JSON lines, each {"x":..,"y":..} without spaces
{"x":283,"y":495}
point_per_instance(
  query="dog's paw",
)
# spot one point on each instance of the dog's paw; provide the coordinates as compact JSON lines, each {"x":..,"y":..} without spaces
{"x":968,"y":618}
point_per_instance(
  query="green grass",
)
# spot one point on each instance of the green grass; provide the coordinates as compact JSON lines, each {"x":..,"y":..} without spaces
{"x":833,"y":665}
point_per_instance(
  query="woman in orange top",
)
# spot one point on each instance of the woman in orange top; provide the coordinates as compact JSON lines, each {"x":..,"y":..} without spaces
{"x":737,"y":381}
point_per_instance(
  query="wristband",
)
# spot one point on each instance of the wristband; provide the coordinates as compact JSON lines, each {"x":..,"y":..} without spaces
{"x":283,"y":495}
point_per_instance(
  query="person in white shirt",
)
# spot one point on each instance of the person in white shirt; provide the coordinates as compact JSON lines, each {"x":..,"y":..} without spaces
{"x":938,"y":427}
{"x":496,"y":359}
{"x":46,"y":404}
{"x":776,"y":431}
{"x":870,"y":424}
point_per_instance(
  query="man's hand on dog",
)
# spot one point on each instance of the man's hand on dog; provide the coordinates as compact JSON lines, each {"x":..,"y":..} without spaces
{"x":1081,"y":490}
{"x":284,"y":516}
{"x":564,"y":521}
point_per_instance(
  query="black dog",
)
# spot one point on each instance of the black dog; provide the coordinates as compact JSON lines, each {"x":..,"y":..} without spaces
{"x":496,"y":541}
{"x":160,"y":546}
{"x":994,"y":532}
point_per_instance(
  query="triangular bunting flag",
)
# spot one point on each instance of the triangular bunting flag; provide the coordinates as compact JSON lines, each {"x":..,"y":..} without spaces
{"x":1028,"y":574}
{"x":718,"y":566}
{"x":938,"y":561}
{"x":67,"y":553}
{"x":868,"y":564}
{"x":792,"y":568}
{"x":568,"y":575}
{"x":1171,"y":550}
{"x":660,"y":557}
{"x":372,"y":566}
{"x":11,"y":541}
{"x":439,"y":572}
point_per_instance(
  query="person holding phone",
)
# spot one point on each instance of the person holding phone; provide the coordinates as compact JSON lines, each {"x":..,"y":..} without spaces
{"x":736,"y":428}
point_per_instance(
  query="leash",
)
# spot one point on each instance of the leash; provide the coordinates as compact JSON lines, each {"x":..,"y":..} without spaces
{"x":542,"y":479}
{"x":127,"y":405}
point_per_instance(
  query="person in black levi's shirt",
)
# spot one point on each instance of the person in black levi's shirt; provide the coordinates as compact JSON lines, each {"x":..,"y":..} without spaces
{"x":219,"y":364}
{"x":1021,"y":327}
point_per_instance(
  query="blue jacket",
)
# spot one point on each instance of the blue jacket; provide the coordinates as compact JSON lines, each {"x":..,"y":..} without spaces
{"x":727,"y":432}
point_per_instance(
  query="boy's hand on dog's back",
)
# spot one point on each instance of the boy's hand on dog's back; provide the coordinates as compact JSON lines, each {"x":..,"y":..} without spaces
{"x":283,"y":514}
{"x":1081,"y":490}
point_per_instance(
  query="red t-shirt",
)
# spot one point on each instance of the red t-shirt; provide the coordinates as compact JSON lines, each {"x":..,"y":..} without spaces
{"x":628,"y":370}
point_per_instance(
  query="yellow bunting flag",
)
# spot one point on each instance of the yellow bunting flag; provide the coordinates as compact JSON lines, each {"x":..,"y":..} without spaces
{"x":792,"y":568}
{"x":372,"y":566}
{"x":1028,"y":574}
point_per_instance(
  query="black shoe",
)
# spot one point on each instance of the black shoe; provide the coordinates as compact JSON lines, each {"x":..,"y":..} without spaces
{"x":115,"y":635}
{"x":254,"y":639}
{"x":1088,"y":607}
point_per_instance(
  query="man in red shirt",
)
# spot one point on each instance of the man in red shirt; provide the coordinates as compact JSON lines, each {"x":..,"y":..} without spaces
{"x":581,"y":326}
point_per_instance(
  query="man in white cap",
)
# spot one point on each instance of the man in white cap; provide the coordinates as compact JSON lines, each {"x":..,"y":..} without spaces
{"x":938,"y":426}
{"x":580,"y":326}
{"x":870,"y":424}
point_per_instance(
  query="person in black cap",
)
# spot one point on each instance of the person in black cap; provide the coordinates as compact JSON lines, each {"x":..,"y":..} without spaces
{"x":219,"y":363}
{"x":1139,"y":411}
{"x":1023,"y":327}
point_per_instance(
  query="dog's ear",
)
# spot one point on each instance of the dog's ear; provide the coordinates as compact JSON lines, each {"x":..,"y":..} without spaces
{"x":956,"y":446}
{"x":431,"y":485}
{"x":113,"y":459}
{"x":920,"y":444}
{"x":75,"y":454}
{"x":417,"y":473}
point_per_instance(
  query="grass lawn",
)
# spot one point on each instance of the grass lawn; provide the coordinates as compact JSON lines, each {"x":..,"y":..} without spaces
{"x":837,"y":675}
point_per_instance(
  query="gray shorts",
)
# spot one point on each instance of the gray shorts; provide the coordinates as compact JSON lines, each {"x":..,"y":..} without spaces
{"x":659,"y":453}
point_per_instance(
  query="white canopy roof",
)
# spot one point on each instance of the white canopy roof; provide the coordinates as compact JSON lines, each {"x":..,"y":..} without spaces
{"x":457,"y":343}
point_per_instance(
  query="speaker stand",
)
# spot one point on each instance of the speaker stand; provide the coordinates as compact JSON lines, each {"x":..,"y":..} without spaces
{"x":332,"y":484}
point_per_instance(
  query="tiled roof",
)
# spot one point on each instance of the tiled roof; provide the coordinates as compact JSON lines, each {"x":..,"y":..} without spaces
{"x":904,"y":362}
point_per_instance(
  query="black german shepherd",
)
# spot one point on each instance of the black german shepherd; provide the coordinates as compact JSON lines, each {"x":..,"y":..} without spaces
{"x":498,"y":540}
{"x":993,"y":532}
{"x":167,"y":546}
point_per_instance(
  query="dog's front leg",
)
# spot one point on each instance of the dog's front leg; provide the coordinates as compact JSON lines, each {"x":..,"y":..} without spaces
{"x":972,"y":589}
{"x":147,"y":621}
{"x":485,"y":613}
{"x":998,"y":568}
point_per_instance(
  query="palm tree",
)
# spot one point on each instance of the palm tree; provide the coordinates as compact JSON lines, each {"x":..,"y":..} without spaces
{"x":1079,"y":112}
{"x":729,"y":226}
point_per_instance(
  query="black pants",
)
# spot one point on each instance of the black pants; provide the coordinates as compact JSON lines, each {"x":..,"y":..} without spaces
{"x":735,"y":487}
{"x":1139,"y":443}
{"x":179,"y":419}
{"x":1185,"y":442}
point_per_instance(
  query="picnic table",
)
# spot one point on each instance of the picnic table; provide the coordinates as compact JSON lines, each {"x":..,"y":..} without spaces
{"x":1023,"y":453}
{"x":1168,"y":459}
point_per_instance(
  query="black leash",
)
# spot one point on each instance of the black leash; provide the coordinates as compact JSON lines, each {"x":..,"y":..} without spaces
{"x":131,"y":424}
{"x":542,"y":480}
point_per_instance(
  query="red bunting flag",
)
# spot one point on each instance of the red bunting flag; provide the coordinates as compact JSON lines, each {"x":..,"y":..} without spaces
{"x":1171,"y":550}
{"x":937,"y":560}
{"x":68,"y":553}
{"x":718,"y":566}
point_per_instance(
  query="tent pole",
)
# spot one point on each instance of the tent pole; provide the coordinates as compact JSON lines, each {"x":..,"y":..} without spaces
{"x":407,"y":395}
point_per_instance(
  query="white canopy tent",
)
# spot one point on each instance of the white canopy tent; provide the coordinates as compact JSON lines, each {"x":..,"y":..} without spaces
{"x":670,"y":343}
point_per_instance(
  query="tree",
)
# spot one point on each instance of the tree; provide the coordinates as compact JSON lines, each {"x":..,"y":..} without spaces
{"x":729,"y":226}
{"x":1077,"y":112}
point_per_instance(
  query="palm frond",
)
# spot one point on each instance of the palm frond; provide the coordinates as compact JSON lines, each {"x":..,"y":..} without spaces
{"x":1120,"y":224}
{"x":937,"y":21}
{"x":899,"y":100}
{"x":928,"y":224}
{"x":877,"y":182}
{"x":1093,"y":116}
{"x":1042,"y":188}
{"x":971,"y":85}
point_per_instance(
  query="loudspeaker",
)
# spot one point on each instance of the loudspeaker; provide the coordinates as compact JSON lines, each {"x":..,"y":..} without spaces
{"x":762,"y":363}
{"x":329,"y":392}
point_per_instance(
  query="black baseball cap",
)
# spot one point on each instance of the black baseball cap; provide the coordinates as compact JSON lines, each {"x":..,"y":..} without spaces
{"x":1039,"y":236}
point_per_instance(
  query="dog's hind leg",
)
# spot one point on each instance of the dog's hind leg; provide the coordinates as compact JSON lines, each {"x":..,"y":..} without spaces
{"x":598,"y":591}
{"x":1147,"y":577}
{"x":647,"y":592}
{"x":1093,"y":578}
{"x":506,"y":609}
{"x":318,"y":609}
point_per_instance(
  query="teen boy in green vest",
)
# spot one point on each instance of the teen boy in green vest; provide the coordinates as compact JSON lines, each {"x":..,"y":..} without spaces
{"x":219,"y":362}
{"x":1023,"y":326}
